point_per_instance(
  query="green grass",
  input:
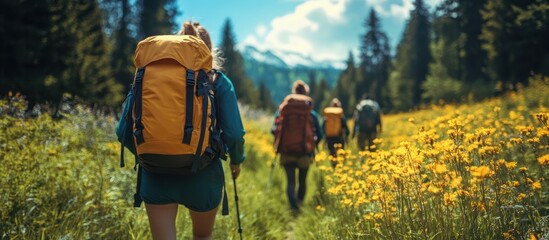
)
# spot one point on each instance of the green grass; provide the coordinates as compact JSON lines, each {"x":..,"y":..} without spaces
{"x":61,"y":179}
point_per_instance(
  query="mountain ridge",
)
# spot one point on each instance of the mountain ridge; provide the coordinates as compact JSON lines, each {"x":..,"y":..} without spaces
{"x":279,"y":69}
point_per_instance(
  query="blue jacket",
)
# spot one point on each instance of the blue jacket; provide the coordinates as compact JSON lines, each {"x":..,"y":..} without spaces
{"x":232,"y":129}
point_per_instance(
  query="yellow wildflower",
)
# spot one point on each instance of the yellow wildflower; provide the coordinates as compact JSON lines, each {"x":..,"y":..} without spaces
{"x":456,"y":182}
{"x":521,"y":196}
{"x":544,"y":160}
{"x":515,"y":183}
{"x":536,"y":185}
{"x":516,"y":140}
{"x":525,"y":130}
{"x":346,"y":202}
{"x":378,"y":141}
{"x":506,"y":235}
{"x":481,"y":171}
{"x":440,"y":168}
{"x":511,"y":165}
{"x":433,"y":189}
{"x":450,"y":199}
{"x":542,"y":117}
{"x":320,"y":208}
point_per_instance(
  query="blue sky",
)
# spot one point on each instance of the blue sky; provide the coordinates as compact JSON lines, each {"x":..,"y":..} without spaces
{"x":321,"y":29}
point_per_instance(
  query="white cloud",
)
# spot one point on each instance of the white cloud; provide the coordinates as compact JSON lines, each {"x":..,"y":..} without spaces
{"x":401,"y":11}
{"x":320,"y":29}
{"x":251,"y":40}
{"x":329,"y":29}
{"x":261,"y":30}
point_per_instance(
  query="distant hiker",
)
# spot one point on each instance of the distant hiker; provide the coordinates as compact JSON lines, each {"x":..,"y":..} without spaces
{"x":297,"y":133}
{"x":335,"y":128}
{"x":367,"y":118}
{"x":185,"y":115}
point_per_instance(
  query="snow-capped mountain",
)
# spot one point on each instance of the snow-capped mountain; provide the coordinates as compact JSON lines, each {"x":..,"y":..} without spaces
{"x":284,"y":59}
{"x":278,"y":70}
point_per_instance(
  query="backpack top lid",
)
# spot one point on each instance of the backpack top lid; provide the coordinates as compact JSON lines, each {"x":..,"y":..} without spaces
{"x":293,"y":102}
{"x":187,"y":50}
{"x":333,"y":111}
{"x":368,"y":104}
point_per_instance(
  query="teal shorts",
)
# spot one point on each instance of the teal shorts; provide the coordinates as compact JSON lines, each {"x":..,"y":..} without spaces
{"x":200,"y":192}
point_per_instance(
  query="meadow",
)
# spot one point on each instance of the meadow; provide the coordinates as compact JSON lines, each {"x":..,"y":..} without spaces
{"x":468,"y":171}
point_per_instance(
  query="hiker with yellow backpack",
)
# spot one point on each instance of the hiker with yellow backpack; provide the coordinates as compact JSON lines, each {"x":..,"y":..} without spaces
{"x":297,"y":133}
{"x":179,"y":119}
{"x":335,"y":128}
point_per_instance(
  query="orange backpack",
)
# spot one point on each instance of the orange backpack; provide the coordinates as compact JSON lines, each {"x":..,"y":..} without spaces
{"x":173,"y":110}
{"x":295,"y":132}
{"x":332,"y":124}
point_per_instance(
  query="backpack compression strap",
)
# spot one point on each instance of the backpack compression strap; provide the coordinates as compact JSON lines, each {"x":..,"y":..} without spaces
{"x":138,"y":104}
{"x":188,"y":128}
{"x":202,"y":90}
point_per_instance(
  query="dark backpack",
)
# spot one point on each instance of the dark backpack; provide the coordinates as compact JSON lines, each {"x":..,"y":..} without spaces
{"x":295,"y":131}
{"x":368,"y":116}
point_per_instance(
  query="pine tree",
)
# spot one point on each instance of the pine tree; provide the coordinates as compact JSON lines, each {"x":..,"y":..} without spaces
{"x":375,"y":59}
{"x":515,"y":38}
{"x":123,"y":46}
{"x":234,"y":67}
{"x":265,"y":99}
{"x":412,"y":60}
{"x":90,"y":75}
{"x":444,"y":80}
{"x":346,"y":85}
{"x":157,"y":17}
{"x":33,"y":48}
{"x":446,"y":33}
{"x":321,"y":95}
{"x":471,"y":22}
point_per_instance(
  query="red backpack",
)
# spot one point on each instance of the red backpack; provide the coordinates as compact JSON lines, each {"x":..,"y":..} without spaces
{"x":295,"y":131}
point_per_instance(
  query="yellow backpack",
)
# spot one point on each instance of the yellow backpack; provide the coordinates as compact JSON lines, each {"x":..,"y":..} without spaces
{"x":332,"y":124}
{"x":173,"y":110}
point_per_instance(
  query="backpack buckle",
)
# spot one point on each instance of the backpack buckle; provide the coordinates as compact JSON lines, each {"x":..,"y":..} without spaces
{"x":190,"y":77}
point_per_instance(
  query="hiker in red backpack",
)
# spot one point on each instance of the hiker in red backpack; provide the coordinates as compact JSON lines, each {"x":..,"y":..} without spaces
{"x":367,"y":118}
{"x":297,"y":133}
{"x":200,"y":192}
{"x":335,"y":128}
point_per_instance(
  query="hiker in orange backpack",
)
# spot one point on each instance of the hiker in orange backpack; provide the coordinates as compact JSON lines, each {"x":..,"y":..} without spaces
{"x":200,"y":190}
{"x":297,"y":133}
{"x":367,"y":118}
{"x":335,"y":128}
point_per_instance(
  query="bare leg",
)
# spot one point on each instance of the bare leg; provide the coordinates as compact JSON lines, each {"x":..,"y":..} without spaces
{"x":162,"y":220}
{"x":203,"y":223}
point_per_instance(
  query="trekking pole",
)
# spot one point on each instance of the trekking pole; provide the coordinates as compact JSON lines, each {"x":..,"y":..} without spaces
{"x":237,"y":209}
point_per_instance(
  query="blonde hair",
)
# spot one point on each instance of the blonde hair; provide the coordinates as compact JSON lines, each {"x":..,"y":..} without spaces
{"x":300,"y":87}
{"x":195,"y":29}
{"x":335,"y":103}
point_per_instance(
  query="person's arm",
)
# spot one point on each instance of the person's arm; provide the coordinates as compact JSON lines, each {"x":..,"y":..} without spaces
{"x":379,"y":121}
{"x":345,"y":127}
{"x":355,"y":120}
{"x":324,"y":124}
{"x":318,"y":130}
{"x":274,"y":126}
{"x":230,"y":122}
